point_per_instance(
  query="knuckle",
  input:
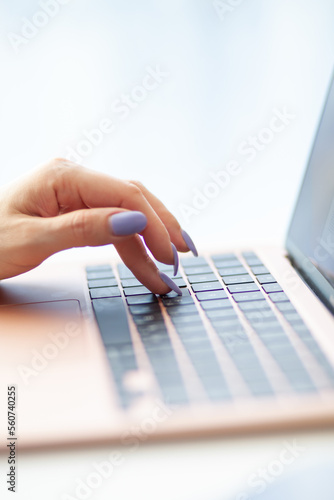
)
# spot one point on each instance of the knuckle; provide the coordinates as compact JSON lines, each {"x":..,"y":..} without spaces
{"x":80,"y":226}
{"x":138,"y":184}
{"x":133,"y":190}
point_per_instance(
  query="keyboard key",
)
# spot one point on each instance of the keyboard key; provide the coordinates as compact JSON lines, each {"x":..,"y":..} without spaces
{"x":124,"y":272}
{"x":247,"y":296}
{"x":145,"y":308}
{"x":201,"y":287}
{"x":102,"y":283}
{"x":279,"y":297}
{"x":112,"y":320}
{"x":265,"y":278}
{"x":198,"y":270}
{"x":241,"y":278}
{"x":186,"y":309}
{"x":217,"y":304}
{"x":255,"y":305}
{"x":249,"y":255}
{"x":202,"y":278}
{"x":137,"y":290}
{"x":145,"y":319}
{"x":242,"y":287}
{"x":186,"y":320}
{"x":102,"y":293}
{"x":232,"y":271}
{"x":142,"y":299}
{"x":98,"y":275}
{"x":259,"y":270}
{"x":254,"y":261}
{"x":98,"y":268}
{"x":221,"y":313}
{"x":224,"y":264}
{"x":223,"y":256}
{"x":130,"y":282}
{"x":218,"y":294}
{"x":272,"y":287}
{"x":193,"y":262}
{"x":285,"y":307}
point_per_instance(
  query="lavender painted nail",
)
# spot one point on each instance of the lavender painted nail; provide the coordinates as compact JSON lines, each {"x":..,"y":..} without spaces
{"x":176,"y":259}
{"x":126,"y":223}
{"x":170,"y":283}
{"x":189,"y":242}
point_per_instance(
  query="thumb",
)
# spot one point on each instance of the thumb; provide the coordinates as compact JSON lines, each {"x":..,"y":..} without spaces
{"x":92,"y":227}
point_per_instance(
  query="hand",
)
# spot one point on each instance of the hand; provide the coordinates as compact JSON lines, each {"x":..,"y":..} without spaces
{"x":63,"y":205}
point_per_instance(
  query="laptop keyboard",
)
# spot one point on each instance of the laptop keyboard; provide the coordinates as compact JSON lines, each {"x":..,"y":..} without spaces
{"x":238,"y":333}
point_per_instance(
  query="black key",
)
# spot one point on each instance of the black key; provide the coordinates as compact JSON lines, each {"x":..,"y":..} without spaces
{"x":112,"y":320}
{"x":170,"y":273}
{"x":201,"y":287}
{"x":265,"y":278}
{"x":103,"y":293}
{"x":247,"y":296}
{"x":241,"y":278}
{"x":145,"y":308}
{"x":174,"y":395}
{"x":198,"y":270}
{"x":218,"y":294}
{"x":242,"y":287}
{"x":193,"y":262}
{"x":232,"y":271}
{"x":142,"y":299}
{"x":216,"y":304}
{"x":136,"y":290}
{"x":130,"y":282}
{"x":279,"y":297}
{"x":98,"y":275}
{"x":272,"y":287}
{"x":259,"y":270}
{"x":202,"y":278}
{"x":103,"y":282}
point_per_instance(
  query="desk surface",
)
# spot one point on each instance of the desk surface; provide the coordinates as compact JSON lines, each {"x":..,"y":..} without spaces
{"x":214,"y":469}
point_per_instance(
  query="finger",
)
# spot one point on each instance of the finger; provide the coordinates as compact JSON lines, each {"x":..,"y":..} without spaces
{"x":89,"y":227}
{"x":172,"y":225}
{"x":74,"y":184}
{"x":135,"y":257}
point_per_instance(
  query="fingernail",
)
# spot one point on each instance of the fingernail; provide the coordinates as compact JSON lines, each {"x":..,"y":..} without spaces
{"x":126,"y":223}
{"x":176,"y":259}
{"x":170,"y":283}
{"x":189,"y":242}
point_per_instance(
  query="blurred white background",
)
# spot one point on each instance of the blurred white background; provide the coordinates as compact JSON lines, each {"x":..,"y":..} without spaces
{"x":227,"y":70}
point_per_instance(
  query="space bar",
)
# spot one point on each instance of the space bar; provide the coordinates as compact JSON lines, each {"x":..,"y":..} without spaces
{"x":112,"y":320}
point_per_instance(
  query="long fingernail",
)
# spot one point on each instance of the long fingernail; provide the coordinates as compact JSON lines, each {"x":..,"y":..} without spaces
{"x":170,"y":283}
{"x":127,"y":223}
{"x":189,"y":242}
{"x":176,"y":259}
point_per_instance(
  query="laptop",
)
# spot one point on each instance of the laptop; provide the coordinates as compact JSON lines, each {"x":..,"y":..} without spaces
{"x":88,"y":354}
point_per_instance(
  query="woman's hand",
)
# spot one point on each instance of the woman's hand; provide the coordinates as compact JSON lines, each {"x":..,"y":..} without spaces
{"x":63,"y":205}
